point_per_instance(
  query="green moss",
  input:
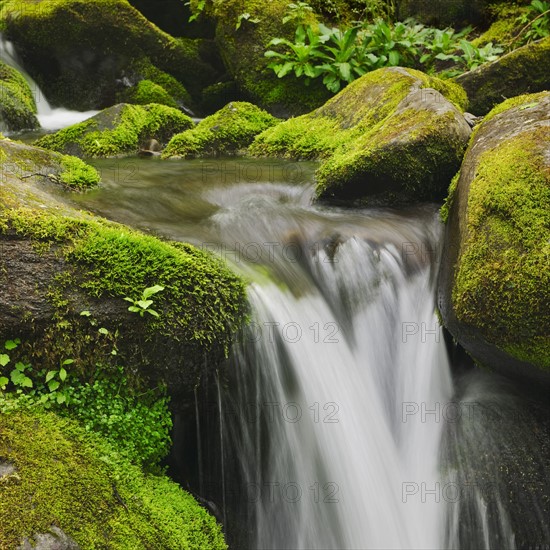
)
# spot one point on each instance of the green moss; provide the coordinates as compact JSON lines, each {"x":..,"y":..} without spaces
{"x":505,"y":27}
{"x":23,"y":161}
{"x":66,"y":477}
{"x":226,"y":132}
{"x":502,"y":280}
{"x":77,"y":174}
{"x":203,"y":301}
{"x":524,"y":101}
{"x":446,"y":208}
{"x":524,"y":70}
{"x":145,"y":92}
{"x":118,"y":130}
{"x":61,"y":31}
{"x":350,"y":131}
{"x":17,"y":105}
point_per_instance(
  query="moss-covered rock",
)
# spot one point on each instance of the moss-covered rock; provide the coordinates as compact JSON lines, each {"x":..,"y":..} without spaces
{"x":230,"y":130}
{"x":57,"y":261}
{"x":23,"y":161}
{"x":494,"y":291}
{"x":504,"y":26}
{"x":525,"y":70}
{"x":394,"y":135}
{"x":81,"y":51}
{"x":118,"y":130}
{"x":17,"y":105}
{"x":243,"y":49}
{"x":67,"y":479}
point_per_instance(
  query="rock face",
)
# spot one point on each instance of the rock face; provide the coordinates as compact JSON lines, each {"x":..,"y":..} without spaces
{"x":56,"y":539}
{"x":82,"y":53}
{"x":525,"y":70}
{"x":228,"y":131}
{"x":392,"y":136}
{"x":56,"y":262}
{"x":118,"y":130}
{"x":17,"y":105}
{"x":494,"y":289}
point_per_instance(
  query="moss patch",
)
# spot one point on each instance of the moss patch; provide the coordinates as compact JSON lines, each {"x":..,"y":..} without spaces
{"x":501,"y":281}
{"x":77,"y":50}
{"x":67,"y":478}
{"x":351,"y":131}
{"x":17,"y":105}
{"x":23,"y":161}
{"x":118,"y":130}
{"x":226,"y":132}
{"x":202,"y":301}
{"x":525,"y":70}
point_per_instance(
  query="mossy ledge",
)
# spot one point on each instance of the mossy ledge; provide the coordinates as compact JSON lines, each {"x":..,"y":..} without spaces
{"x":77,"y":482}
{"x":393,"y":135}
{"x":494,"y":280}
{"x":228,"y":131}
{"x":118,"y":130}
{"x":23,"y":161}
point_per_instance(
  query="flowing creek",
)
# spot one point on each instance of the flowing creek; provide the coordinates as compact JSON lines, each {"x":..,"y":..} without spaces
{"x":340,"y":421}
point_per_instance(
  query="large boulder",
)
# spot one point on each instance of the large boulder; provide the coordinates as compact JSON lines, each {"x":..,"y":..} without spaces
{"x":394,"y":135}
{"x":494,"y":289}
{"x":73,"y":490}
{"x":118,"y":130}
{"x":525,"y":70}
{"x":230,"y":130}
{"x":242,"y":44}
{"x":57,"y":261}
{"x":82,"y":53}
{"x":17,"y":105}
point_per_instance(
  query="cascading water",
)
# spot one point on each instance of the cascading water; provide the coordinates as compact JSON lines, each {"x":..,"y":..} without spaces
{"x":338,"y":411}
{"x":50,"y":118}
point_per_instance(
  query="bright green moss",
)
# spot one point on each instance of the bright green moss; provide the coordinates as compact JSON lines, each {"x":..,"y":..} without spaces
{"x":505,"y":28}
{"x":203,"y":301}
{"x":118,"y":130}
{"x":502,"y":280}
{"x":145,"y":92}
{"x":68,"y":478}
{"x":17,"y":105}
{"x":350,"y":131}
{"x":226,"y":132}
{"x":77,"y":174}
{"x":525,"y":101}
{"x":24,"y":160}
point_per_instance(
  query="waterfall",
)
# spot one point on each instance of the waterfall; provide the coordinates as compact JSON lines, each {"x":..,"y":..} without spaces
{"x":343,"y":353}
{"x":50,"y":118}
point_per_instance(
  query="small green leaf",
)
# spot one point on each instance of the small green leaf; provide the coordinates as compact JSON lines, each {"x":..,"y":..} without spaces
{"x":4,"y":359}
{"x":85,"y":313}
{"x":51,"y":374}
{"x":103,"y":331}
{"x":53,"y":385}
{"x":61,"y":398}
{"x":134,"y":309}
{"x":62,"y":374}
{"x":153,"y":312}
{"x":12,"y":344}
{"x":3,"y":382}
{"x":529,"y":106}
{"x":68,"y":362}
{"x":144,"y":304}
{"x":152,"y":290}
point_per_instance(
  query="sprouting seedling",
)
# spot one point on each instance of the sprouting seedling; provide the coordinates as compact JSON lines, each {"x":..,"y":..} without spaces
{"x":142,"y":305}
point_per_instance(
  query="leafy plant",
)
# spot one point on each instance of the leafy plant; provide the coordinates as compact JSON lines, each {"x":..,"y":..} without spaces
{"x":196,"y":9}
{"x":245,"y":17}
{"x":297,"y":12}
{"x":536,"y":23}
{"x":142,"y":305}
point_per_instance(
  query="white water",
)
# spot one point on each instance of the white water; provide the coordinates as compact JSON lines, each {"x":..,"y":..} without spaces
{"x":50,"y":118}
{"x":341,"y":355}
